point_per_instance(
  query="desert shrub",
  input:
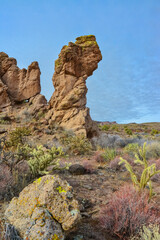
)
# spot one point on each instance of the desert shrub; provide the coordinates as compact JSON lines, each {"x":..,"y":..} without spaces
{"x":40,"y":159}
{"x":153,"y":150}
{"x":5,"y":119}
{"x":88,"y":167}
{"x":127,"y":130}
{"x":7,"y":157}
{"x":148,"y":171}
{"x":114,"y":141}
{"x":109,"y":154}
{"x":2,"y":121}
{"x":77,"y":144}
{"x":13,"y":179}
{"x":114,"y":164}
{"x":98,"y":156}
{"x":115,"y":128}
{"x":107,"y":140}
{"x":104,"y":127}
{"x":17,"y":136}
{"x":26,"y":116}
{"x":154,"y":131}
{"x":54,"y":127}
{"x":131,"y":149}
{"x":152,"y":232}
{"x":126,"y":212}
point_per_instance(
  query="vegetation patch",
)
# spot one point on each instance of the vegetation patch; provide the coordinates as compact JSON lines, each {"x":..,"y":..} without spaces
{"x":153,"y":150}
{"x":76,"y":144}
{"x":151,"y":232}
{"x":109,"y":154}
{"x":104,"y":127}
{"x":131,"y":149}
{"x":39,"y":159}
{"x":17,"y":136}
{"x":126,"y":212}
{"x":147,"y":174}
{"x":86,"y":38}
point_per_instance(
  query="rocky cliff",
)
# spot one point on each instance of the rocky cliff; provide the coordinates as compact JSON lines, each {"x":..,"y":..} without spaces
{"x":76,"y":62}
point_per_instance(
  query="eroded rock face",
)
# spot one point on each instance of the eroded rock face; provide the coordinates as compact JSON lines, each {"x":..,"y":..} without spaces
{"x":40,"y":206}
{"x":76,"y":62}
{"x":17,"y":84}
{"x":4,"y":98}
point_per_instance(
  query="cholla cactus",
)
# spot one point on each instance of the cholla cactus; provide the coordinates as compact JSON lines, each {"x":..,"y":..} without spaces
{"x":151,"y":232}
{"x":147,"y":174}
{"x":41,"y":159}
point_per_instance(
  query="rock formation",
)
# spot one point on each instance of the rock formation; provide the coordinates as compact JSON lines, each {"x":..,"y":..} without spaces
{"x":4,"y":98}
{"x":44,"y":209}
{"x":76,"y":62}
{"x":17,"y":84}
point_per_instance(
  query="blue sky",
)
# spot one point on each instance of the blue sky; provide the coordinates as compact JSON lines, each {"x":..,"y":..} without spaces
{"x":126,"y":85}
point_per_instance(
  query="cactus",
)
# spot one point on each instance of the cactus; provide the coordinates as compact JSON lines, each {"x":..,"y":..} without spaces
{"x":147,"y":174}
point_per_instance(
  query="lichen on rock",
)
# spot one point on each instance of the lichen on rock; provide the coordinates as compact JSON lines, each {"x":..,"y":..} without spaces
{"x":47,"y":203}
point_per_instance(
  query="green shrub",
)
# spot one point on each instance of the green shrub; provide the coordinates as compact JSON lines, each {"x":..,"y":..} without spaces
{"x":127,"y":130}
{"x":76,"y":144}
{"x":115,"y":128}
{"x":17,"y":136}
{"x":148,"y":171}
{"x":2,"y":121}
{"x":152,"y":232}
{"x":154,"y":131}
{"x":109,"y":154}
{"x":104,"y":127}
{"x":153,"y":150}
{"x":5,"y":119}
{"x":131,"y":149}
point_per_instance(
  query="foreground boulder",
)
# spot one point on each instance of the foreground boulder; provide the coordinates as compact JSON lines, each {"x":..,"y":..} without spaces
{"x":75,"y":64}
{"x":44,"y":209}
{"x":20,"y":84}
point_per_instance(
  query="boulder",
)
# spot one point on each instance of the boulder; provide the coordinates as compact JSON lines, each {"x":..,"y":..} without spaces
{"x":21,"y":84}
{"x":44,"y":209}
{"x":76,"y":62}
{"x":37,"y":103}
{"x":77,"y":169}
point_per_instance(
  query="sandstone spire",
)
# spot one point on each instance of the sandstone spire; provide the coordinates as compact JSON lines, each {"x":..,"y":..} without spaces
{"x":76,"y":62}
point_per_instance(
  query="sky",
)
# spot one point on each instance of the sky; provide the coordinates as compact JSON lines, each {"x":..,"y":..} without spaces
{"x":126,"y":86}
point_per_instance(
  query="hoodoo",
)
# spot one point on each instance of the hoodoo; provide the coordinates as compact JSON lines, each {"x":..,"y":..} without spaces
{"x":76,"y":62}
